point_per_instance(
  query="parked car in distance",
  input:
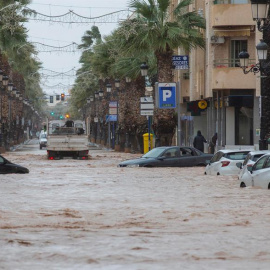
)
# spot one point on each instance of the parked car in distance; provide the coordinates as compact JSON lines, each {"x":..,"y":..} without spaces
{"x":250,"y":159}
{"x":258,"y":175}
{"x":42,"y":140}
{"x":169,"y":156}
{"x":9,"y":167}
{"x":224,"y":162}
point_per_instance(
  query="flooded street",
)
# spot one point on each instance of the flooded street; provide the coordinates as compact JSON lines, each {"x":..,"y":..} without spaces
{"x":76,"y":214}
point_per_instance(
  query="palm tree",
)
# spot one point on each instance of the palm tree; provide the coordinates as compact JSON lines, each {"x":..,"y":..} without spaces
{"x":157,"y":30}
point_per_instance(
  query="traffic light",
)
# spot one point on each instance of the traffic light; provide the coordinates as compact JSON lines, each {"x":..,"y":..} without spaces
{"x":67,"y":115}
{"x":61,"y":117}
{"x":51,"y":99}
{"x":62,"y":97}
{"x":52,"y":113}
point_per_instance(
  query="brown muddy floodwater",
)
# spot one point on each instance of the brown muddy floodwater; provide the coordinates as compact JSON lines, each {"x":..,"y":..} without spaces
{"x":72,"y":214}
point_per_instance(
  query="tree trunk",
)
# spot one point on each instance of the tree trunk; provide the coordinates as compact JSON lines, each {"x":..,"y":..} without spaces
{"x":164,"y":119}
{"x":130,"y":120}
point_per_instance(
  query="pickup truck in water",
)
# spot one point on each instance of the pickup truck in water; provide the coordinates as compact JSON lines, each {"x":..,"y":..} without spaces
{"x":67,"y":139}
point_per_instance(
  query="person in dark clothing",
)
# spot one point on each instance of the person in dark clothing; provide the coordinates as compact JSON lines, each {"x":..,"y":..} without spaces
{"x":198,"y":141}
{"x":213,"y":143}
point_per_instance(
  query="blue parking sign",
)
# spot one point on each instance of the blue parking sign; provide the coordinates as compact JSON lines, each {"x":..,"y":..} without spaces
{"x":167,"y":95}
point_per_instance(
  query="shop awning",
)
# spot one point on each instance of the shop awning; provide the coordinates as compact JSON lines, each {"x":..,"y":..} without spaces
{"x":243,"y":32}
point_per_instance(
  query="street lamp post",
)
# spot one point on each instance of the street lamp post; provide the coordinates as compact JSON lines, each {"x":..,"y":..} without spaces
{"x":144,"y":72}
{"x":260,"y":10}
{"x":101,"y":120}
{"x":96,"y":116}
{"x":116,"y":96}
{"x":108,"y":90}
{"x":4,"y":83}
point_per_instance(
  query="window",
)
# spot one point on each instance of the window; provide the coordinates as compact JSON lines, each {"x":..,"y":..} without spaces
{"x":237,"y":155}
{"x":186,"y":152}
{"x":1,"y":160}
{"x":259,"y":164}
{"x":216,"y":157}
{"x":171,"y":152}
{"x":186,"y":76}
{"x":256,"y":157}
{"x":267,"y":163}
{"x":237,"y":46}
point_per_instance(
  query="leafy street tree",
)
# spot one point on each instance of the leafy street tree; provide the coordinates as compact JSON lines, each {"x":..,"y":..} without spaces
{"x":158,"y":29}
{"x":17,"y":60}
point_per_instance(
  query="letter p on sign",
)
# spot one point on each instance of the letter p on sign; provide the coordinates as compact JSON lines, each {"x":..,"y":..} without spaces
{"x":166,"y":94}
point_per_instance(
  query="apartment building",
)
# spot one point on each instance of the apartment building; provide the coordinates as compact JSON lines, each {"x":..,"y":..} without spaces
{"x":214,"y":76}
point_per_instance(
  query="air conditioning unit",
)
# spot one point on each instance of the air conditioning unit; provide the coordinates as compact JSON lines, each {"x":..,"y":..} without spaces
{"x":217,"y":40}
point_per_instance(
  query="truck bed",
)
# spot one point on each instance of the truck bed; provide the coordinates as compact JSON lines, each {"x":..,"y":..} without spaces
{"x":67,"y":142}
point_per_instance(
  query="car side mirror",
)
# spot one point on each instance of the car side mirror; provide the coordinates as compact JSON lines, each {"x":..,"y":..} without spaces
{"x":161,"y":158}
{"x":207,"y":162}
{"x":250,"y":169}
{"x":239,"y":165}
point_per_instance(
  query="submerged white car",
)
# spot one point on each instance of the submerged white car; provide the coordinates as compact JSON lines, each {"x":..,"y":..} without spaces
{"x":224,"y":162}
{"x":251,"y":158}
{"x":258,"y":175}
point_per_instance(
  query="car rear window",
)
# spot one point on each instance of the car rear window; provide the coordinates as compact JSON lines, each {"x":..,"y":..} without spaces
{"x":236,"y":155}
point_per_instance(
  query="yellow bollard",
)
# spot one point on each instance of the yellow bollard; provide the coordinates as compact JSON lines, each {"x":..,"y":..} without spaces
{"x":146,"y":142}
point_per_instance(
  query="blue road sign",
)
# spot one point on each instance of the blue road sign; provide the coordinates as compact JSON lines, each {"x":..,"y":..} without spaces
{"x":180,"y":61}
{"x":111,"y":118}
{"x":167,"y":95}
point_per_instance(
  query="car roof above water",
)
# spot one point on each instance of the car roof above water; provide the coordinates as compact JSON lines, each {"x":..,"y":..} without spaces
{"x":226,"y":151}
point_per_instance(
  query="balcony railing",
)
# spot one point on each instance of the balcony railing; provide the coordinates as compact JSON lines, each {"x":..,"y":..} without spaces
{"x":217,"y":2}
{"x":225,"y":63}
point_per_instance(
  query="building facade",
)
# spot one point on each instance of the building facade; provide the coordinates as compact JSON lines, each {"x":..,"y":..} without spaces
{"x":216,"y":95}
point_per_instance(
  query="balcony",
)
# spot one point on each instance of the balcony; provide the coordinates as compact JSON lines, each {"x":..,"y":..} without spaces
{"x":231,"y":15}
{"x":227,"y":75}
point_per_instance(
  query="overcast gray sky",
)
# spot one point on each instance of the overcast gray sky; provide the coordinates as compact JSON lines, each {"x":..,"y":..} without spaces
{"x":62,"y":34}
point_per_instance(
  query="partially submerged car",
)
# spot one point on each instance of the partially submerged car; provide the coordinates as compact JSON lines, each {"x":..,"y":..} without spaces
{"x":258,"y":175}
{"x":249,"y":161}
{"x":9,"y":167}
{"x":169,"y":156}
{"x":224,"y":162}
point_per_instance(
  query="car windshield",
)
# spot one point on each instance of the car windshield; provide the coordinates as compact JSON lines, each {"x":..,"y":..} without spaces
{"x":154,"y":153}
{"x":256,"y":157}
{"x":43,"y":136}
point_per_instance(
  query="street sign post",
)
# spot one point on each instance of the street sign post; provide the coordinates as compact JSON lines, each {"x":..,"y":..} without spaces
{"x":147,"y":106}
{"x":147,"y":109}
{"x":168,"y":97}
{"x":113,"y":111}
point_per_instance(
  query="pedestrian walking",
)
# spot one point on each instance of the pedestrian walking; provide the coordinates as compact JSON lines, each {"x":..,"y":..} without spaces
{"x":213,"y":142}
{"x":198,"y":141}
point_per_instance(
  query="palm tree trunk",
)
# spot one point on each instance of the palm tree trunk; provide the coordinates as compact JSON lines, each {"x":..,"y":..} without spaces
{"x":164,"y":119}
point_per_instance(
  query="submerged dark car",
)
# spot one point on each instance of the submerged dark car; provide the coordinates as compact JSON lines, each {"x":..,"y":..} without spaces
{"x":170,"y":156}
{"x":9,"y":167}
